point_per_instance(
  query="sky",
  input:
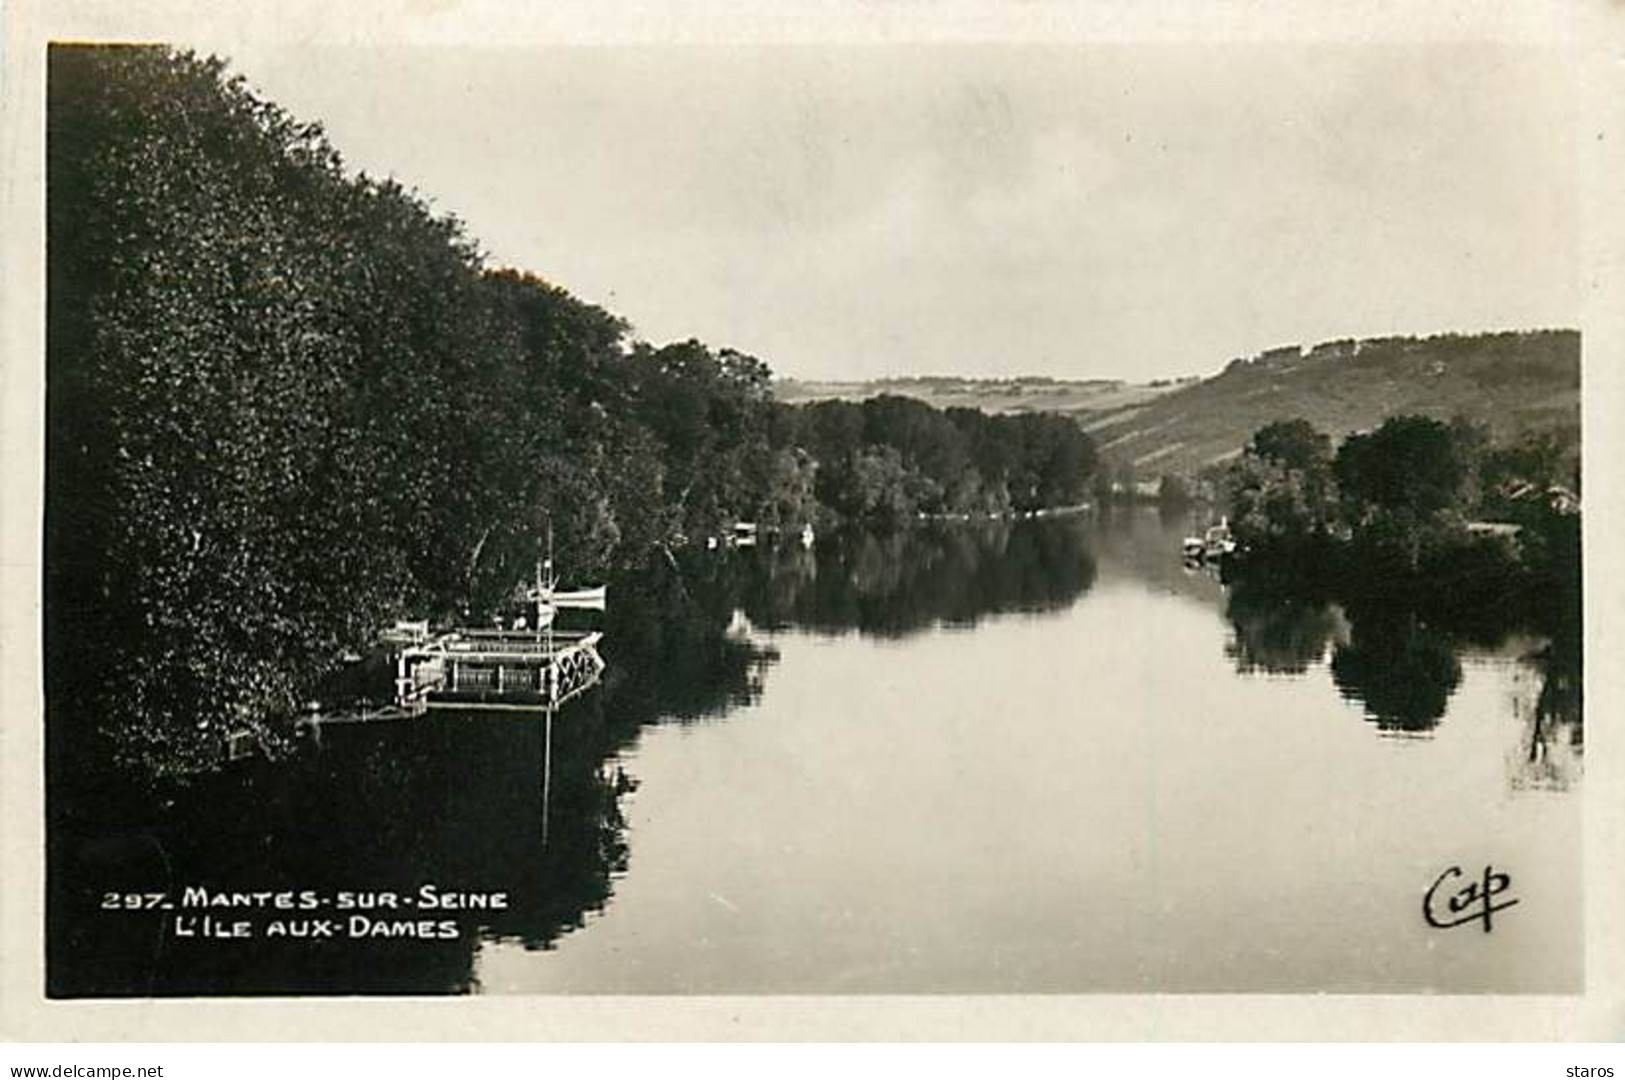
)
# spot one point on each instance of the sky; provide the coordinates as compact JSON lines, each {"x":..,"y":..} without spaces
{"x":1080,"y":210}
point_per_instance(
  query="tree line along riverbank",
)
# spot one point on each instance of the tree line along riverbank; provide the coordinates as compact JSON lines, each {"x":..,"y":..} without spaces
{"x":1418,"y":509}
{"x":1417,"y":528}
{"x":288,"y":403}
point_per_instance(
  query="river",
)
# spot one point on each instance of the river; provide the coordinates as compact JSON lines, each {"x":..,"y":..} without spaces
{"x":1045,"y":757}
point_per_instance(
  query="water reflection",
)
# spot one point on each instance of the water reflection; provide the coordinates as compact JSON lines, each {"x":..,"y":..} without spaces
{"x":456,"y":799}
{"x":1401,"y":670}
{"x":900,"y":583}
{"x":1555,"y":735}
{"x":876,"y":823}
{"x":1402,"y":666}
{"x":1145,"y":545}
{"x":668,"y":649}
{"x":1277,"y":633}
{"x":453,"y":800}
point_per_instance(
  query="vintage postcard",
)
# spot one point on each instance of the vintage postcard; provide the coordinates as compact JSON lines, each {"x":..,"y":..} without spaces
{"x":861,"y":522}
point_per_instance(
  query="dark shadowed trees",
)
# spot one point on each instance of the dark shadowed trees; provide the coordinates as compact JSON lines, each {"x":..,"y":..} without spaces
{"x":287,"y":404}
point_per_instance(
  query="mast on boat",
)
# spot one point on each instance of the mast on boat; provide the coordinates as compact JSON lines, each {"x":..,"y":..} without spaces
{"x":523,"y":666}
{"x":545,"y":586}
{"x":545,"y":589}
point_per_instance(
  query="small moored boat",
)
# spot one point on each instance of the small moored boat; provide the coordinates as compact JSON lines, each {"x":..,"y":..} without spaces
{"x":1218,"y":542}
{"x":1215,"y":544}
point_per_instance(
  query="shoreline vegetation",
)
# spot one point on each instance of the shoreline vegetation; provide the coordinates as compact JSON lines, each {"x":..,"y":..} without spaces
{"x":1418,"y":511}
{"x":1423,"y":532}
{"x":288,"y":404}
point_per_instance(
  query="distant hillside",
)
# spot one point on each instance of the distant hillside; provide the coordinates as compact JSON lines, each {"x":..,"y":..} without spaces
{"x":1082,"y":398}
{"x":1514,"y":382}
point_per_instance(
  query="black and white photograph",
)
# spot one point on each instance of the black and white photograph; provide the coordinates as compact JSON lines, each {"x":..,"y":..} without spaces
{"x":870,"y":514}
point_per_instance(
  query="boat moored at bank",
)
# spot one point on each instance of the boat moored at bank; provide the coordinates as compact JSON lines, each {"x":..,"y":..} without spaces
{"x":1212,"y":546}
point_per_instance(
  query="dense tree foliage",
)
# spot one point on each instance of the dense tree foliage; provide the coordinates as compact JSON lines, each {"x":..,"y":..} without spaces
{"x":1281,"y":491}
{"x":1411,"y":465}
{"x":1420,"y":534}
{"x":287,"y":404}
{"x":1415,"y":508}
{"x":1291,"y":444}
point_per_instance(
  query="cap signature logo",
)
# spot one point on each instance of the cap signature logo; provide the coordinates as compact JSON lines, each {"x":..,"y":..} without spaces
{"x":1473,"y":902}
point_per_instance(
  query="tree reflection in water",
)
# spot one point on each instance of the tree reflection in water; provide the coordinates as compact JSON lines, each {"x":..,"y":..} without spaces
{"x":455,"y":799}
{"x":1556,"y":735}
{"x":452,"y":798}
{"x":1401,"y":670}
{"x":1398,"y":669}
{"x":892,"y":585}
{"x":1278,"y":633}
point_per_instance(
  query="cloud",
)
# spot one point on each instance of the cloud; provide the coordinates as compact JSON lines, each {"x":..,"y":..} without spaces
{"x":1071,"y":210}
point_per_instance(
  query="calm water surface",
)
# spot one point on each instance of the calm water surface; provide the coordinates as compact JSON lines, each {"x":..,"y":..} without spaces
{"x":968,"y":759}
{"x":1127,"y":792}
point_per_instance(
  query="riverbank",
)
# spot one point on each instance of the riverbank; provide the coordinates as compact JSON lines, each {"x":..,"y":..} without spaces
{"x":963,"y":686}
{"x":249,"y":474}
